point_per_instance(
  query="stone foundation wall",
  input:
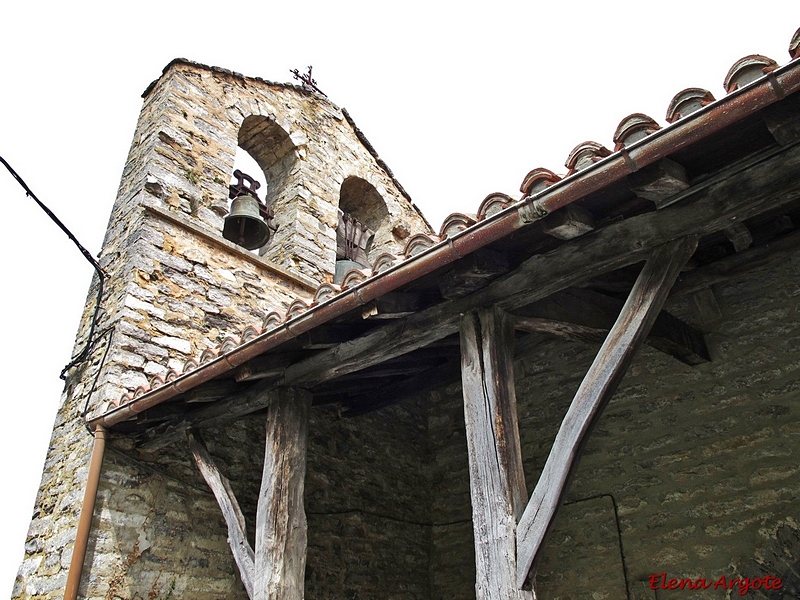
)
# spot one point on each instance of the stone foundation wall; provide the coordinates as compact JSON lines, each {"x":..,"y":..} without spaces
{"x":368,"y":504}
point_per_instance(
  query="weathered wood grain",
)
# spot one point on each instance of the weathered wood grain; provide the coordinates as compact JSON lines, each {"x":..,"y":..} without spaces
{"x":570,"y":222}
{"x":497,"y":481}
{"x":584,"y":315}
{"x":627,"y":335}
{"x":243,"y":554}
{"x":739,"y":235}
{"x":737,"y":265}
{"x":281,"y":530}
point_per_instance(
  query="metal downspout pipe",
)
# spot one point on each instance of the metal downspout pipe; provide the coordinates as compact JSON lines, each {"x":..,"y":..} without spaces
{"x":87,"y":511}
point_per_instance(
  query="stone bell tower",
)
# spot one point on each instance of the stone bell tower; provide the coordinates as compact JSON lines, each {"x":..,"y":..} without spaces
{"x":177,"y":290}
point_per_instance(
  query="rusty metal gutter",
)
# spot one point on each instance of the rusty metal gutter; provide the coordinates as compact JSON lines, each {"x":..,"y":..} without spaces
{"x":689,"y":130}
{"x":87,"y":512}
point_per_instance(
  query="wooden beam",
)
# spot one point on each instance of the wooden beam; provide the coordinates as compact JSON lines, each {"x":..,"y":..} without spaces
{"x":764,"y":186}
{"x":586,"y":315}
{"x":472,"y":273}
{"x":607,"y":370}
{"x":212,"y":391}
{"x":737,"y":265}
{"x":783,"y":120}
{"x":281,"y":531}
{"x":706,"y":305}
{"x":255,"y":398}
{"x":264,"y":366}
{"x":497,"y":481}
{"x":243,"y":554}
{"x":660,"y":181}
{"x":560,"y":329}
{"x":570,"y":222}
{"x":739,"y":235}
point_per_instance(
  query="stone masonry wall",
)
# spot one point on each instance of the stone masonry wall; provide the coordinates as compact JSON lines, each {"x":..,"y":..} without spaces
{"x":701,"y":463}
{"x":368,"y":500}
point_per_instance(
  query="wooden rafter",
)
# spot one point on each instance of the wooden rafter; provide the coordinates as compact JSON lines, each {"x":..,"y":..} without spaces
{"x":623,"y":341}
{"x":585,"y":315}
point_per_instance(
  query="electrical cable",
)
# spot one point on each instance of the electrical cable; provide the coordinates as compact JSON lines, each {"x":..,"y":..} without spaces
{"x":98,"y":269}
{"x":110,"y":331}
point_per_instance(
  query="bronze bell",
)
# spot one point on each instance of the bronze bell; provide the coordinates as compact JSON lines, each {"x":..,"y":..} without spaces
{"x":244,"y":225}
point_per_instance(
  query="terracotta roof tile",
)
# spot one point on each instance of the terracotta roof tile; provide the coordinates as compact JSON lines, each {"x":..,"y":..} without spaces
{"x":537,"y":180}
{"x":383,"y":262}
{"x":271,"y":321}
{"x":493,"y":203}
{"x":632,"y":129}
{"x":295,"y":309}
{"x":688,"y":101}
{"x":454,"y":223}
{"x":747,"y":70}
{"x":326,"y":291}
{"x":794,"y":45}
{"x":353,"y":277}
{"x":584,"y":155}
{"x":418,"y":243}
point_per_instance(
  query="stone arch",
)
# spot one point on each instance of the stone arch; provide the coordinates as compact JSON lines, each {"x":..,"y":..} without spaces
{"x":359,"y":198}
{"x":272,"y":148}
{"x":363,"y":215}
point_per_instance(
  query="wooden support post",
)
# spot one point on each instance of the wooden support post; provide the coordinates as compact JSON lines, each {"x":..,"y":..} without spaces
{"x":497,"y":482}
{"x":624,"y":339}
{"x":281,"y":533}
{"x":237,"y":533}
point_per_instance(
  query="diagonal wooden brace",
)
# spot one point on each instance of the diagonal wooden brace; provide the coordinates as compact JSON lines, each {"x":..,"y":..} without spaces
{"x":626,"y":336}
{"x":243,"y":554}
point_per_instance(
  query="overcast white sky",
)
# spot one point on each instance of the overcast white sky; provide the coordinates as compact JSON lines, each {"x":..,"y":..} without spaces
{"x":460,"y":99}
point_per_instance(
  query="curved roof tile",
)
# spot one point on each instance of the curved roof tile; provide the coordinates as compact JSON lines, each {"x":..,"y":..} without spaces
{"x":353,"y":277}
{"x":493,"y":203}
{"x":747,"y":70}
{"x":688,"y":101}
{"x":296,"y":308}
{"x":251,"y":332}
{"x":454,"y":223}
{"x":537,"y":180}
{"x":632,"y":129}
{"x":228,"y":344}
{"x":584,"y":155}
{"x":326,"y":291}
{"x":383,"y":262}
{"x":418,"y":243}
{"x":794,"y":45}
{"x":271,"y":321}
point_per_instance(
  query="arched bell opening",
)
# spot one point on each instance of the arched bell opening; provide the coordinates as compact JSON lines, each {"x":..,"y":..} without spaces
{"x":362,"y":216}
{"x":264,"y":159}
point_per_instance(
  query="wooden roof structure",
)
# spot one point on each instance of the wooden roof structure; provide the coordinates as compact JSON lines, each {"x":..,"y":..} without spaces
{"x":594,"y":255}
